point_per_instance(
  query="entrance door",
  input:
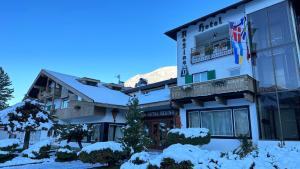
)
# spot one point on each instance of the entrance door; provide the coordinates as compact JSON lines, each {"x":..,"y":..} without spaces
{"x":157,"y":130}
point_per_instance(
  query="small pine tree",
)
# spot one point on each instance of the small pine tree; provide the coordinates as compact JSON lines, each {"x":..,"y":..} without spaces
{"x":5,"y":89}
{"x":135,"y":139}
{"x":26,"y":116}
{"x":73,"y":131}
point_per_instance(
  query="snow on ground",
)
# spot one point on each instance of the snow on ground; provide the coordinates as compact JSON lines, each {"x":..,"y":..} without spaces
{"x":36,"y":148}
{"x":191,"y":132}
{"x":9,"y":142}
{"x":114,"y":146}
{"x":46,"y":164}
{"x":265,"y":157}
{"x":21,"y":160}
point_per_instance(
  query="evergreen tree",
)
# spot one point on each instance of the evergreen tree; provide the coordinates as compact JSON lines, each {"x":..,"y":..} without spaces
{"x":26,"y":116}
{"x":5,"y":90}
{"x":71,"y":132}
{"x":135,"y":139}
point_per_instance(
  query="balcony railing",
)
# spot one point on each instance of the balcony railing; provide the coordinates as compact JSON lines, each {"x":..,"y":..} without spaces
{"x":76,"y":109}
{"x":243,"y":83}
{"x":210,"y":51}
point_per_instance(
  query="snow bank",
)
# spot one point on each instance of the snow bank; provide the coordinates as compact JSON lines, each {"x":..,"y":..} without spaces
{"x":190,"y":132}
{"x":9,"y":143}
{"x":36,"y":148}
{"x":114,"y":146}
{"x":264,"y":157}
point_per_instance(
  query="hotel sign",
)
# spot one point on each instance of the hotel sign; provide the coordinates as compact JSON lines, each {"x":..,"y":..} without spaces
{"x":160,"y":113}
{"x":203,"y":27}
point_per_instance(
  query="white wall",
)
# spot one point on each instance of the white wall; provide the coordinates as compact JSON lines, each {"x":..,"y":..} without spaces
{"x":222,"y":64}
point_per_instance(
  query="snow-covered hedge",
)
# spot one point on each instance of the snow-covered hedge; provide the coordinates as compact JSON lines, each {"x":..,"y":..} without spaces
{"x":6,"y":156}
{"x":193,"y":136}
{"x":179,"y":155}
{"x":9,"y":144}
{"x":39,"y":150}
{"x":65,"y":154}
{"x":103,"y":152}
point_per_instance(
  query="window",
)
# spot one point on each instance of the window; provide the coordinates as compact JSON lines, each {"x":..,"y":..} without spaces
{"x":115,"y":132}
{"x":95,"y":137}
{"x":276,"y":71}
{"x":194,"y":120}
{"x":65,"y":104}
{"x":204,"y":76}
{"x":230,"y":122}
{"x":200,"y":77}
{"x":218,"y":122}
{"x":241,"y":122}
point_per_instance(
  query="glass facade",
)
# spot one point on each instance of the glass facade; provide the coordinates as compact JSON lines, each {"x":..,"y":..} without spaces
{"x":276,"y":69}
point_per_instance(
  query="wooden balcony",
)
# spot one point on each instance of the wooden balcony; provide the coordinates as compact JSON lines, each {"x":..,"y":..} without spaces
{"x":78,"y":109}
{"x":215,"y":90}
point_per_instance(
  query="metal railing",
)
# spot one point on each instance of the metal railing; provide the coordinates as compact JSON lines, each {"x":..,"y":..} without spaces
{"x":210,"y":51}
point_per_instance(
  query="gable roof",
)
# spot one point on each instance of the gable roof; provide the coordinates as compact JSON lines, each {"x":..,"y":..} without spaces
{"x":98,"y":94}
{"x":173,"y":33}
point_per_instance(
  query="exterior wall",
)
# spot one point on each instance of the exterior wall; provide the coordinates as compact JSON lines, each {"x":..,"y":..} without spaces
{"x":221,"y":65}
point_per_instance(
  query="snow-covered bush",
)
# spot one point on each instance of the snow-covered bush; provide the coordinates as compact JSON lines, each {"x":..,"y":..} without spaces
{"x":140,"y":158}
{"x":39,"y":150}
{"x":103,"y":152}
{"x":65,"y":154}
{"x":246,"y":146}
{"x":9,"y":144}
{"x":6,"y":156}
{"x":193,"y":136}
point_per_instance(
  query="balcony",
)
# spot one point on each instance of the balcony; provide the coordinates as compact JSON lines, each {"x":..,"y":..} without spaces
{"x":215,"y":90}
{"x":211,"y":51}
{"x":76,"y":109}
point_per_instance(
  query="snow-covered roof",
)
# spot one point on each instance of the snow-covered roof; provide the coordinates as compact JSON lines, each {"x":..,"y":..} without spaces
{"x":154,"y":96}
{"x":99,"y":94}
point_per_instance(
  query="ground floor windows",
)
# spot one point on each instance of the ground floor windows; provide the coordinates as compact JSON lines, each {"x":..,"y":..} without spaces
{"x":229,"y":122}
{"x":115,"y":132}
{"x":279,"y":115}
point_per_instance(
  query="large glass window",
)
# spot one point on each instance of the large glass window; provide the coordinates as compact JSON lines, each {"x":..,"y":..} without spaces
{"x":218,"y":122}
{"x":222,"y":122}
{"x":115,"y":132}
{"x":241,"y":122}
{"x":276,"y":71}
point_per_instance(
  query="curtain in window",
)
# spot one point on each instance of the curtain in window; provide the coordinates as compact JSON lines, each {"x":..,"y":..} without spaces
{"x":218,"y":122}
{"x":241,"y":122}
{"x":194,"y":119}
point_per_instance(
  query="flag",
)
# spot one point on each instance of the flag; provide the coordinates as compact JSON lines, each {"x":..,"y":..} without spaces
{"x":238,"y":34}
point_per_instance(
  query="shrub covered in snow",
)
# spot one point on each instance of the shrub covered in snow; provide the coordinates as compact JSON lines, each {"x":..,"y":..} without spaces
{"x":39,"y":150}
{"x":9,"y":144}
{"x":6,"y":156}
{"x":193,"y":136}
{"x":182,"y":156}
{"x":65,"y":154}
{"x":103,"y":152}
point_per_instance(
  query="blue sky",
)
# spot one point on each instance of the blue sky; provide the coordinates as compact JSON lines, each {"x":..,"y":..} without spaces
{"x":94,"y":38}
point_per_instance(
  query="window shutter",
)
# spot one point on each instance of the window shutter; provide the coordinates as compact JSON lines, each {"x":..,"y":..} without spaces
{"x":188,"y":79}
{"x":211,"y":75}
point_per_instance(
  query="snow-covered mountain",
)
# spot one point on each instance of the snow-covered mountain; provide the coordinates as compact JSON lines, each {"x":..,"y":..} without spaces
{"x":160,"y":74}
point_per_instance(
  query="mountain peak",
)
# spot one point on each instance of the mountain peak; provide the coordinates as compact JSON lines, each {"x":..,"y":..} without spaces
{"x":160,"y":74}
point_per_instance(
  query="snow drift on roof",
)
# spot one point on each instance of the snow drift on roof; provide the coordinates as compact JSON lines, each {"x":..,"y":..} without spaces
{"x":100,"y":93}
{"x":154,"y":96}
